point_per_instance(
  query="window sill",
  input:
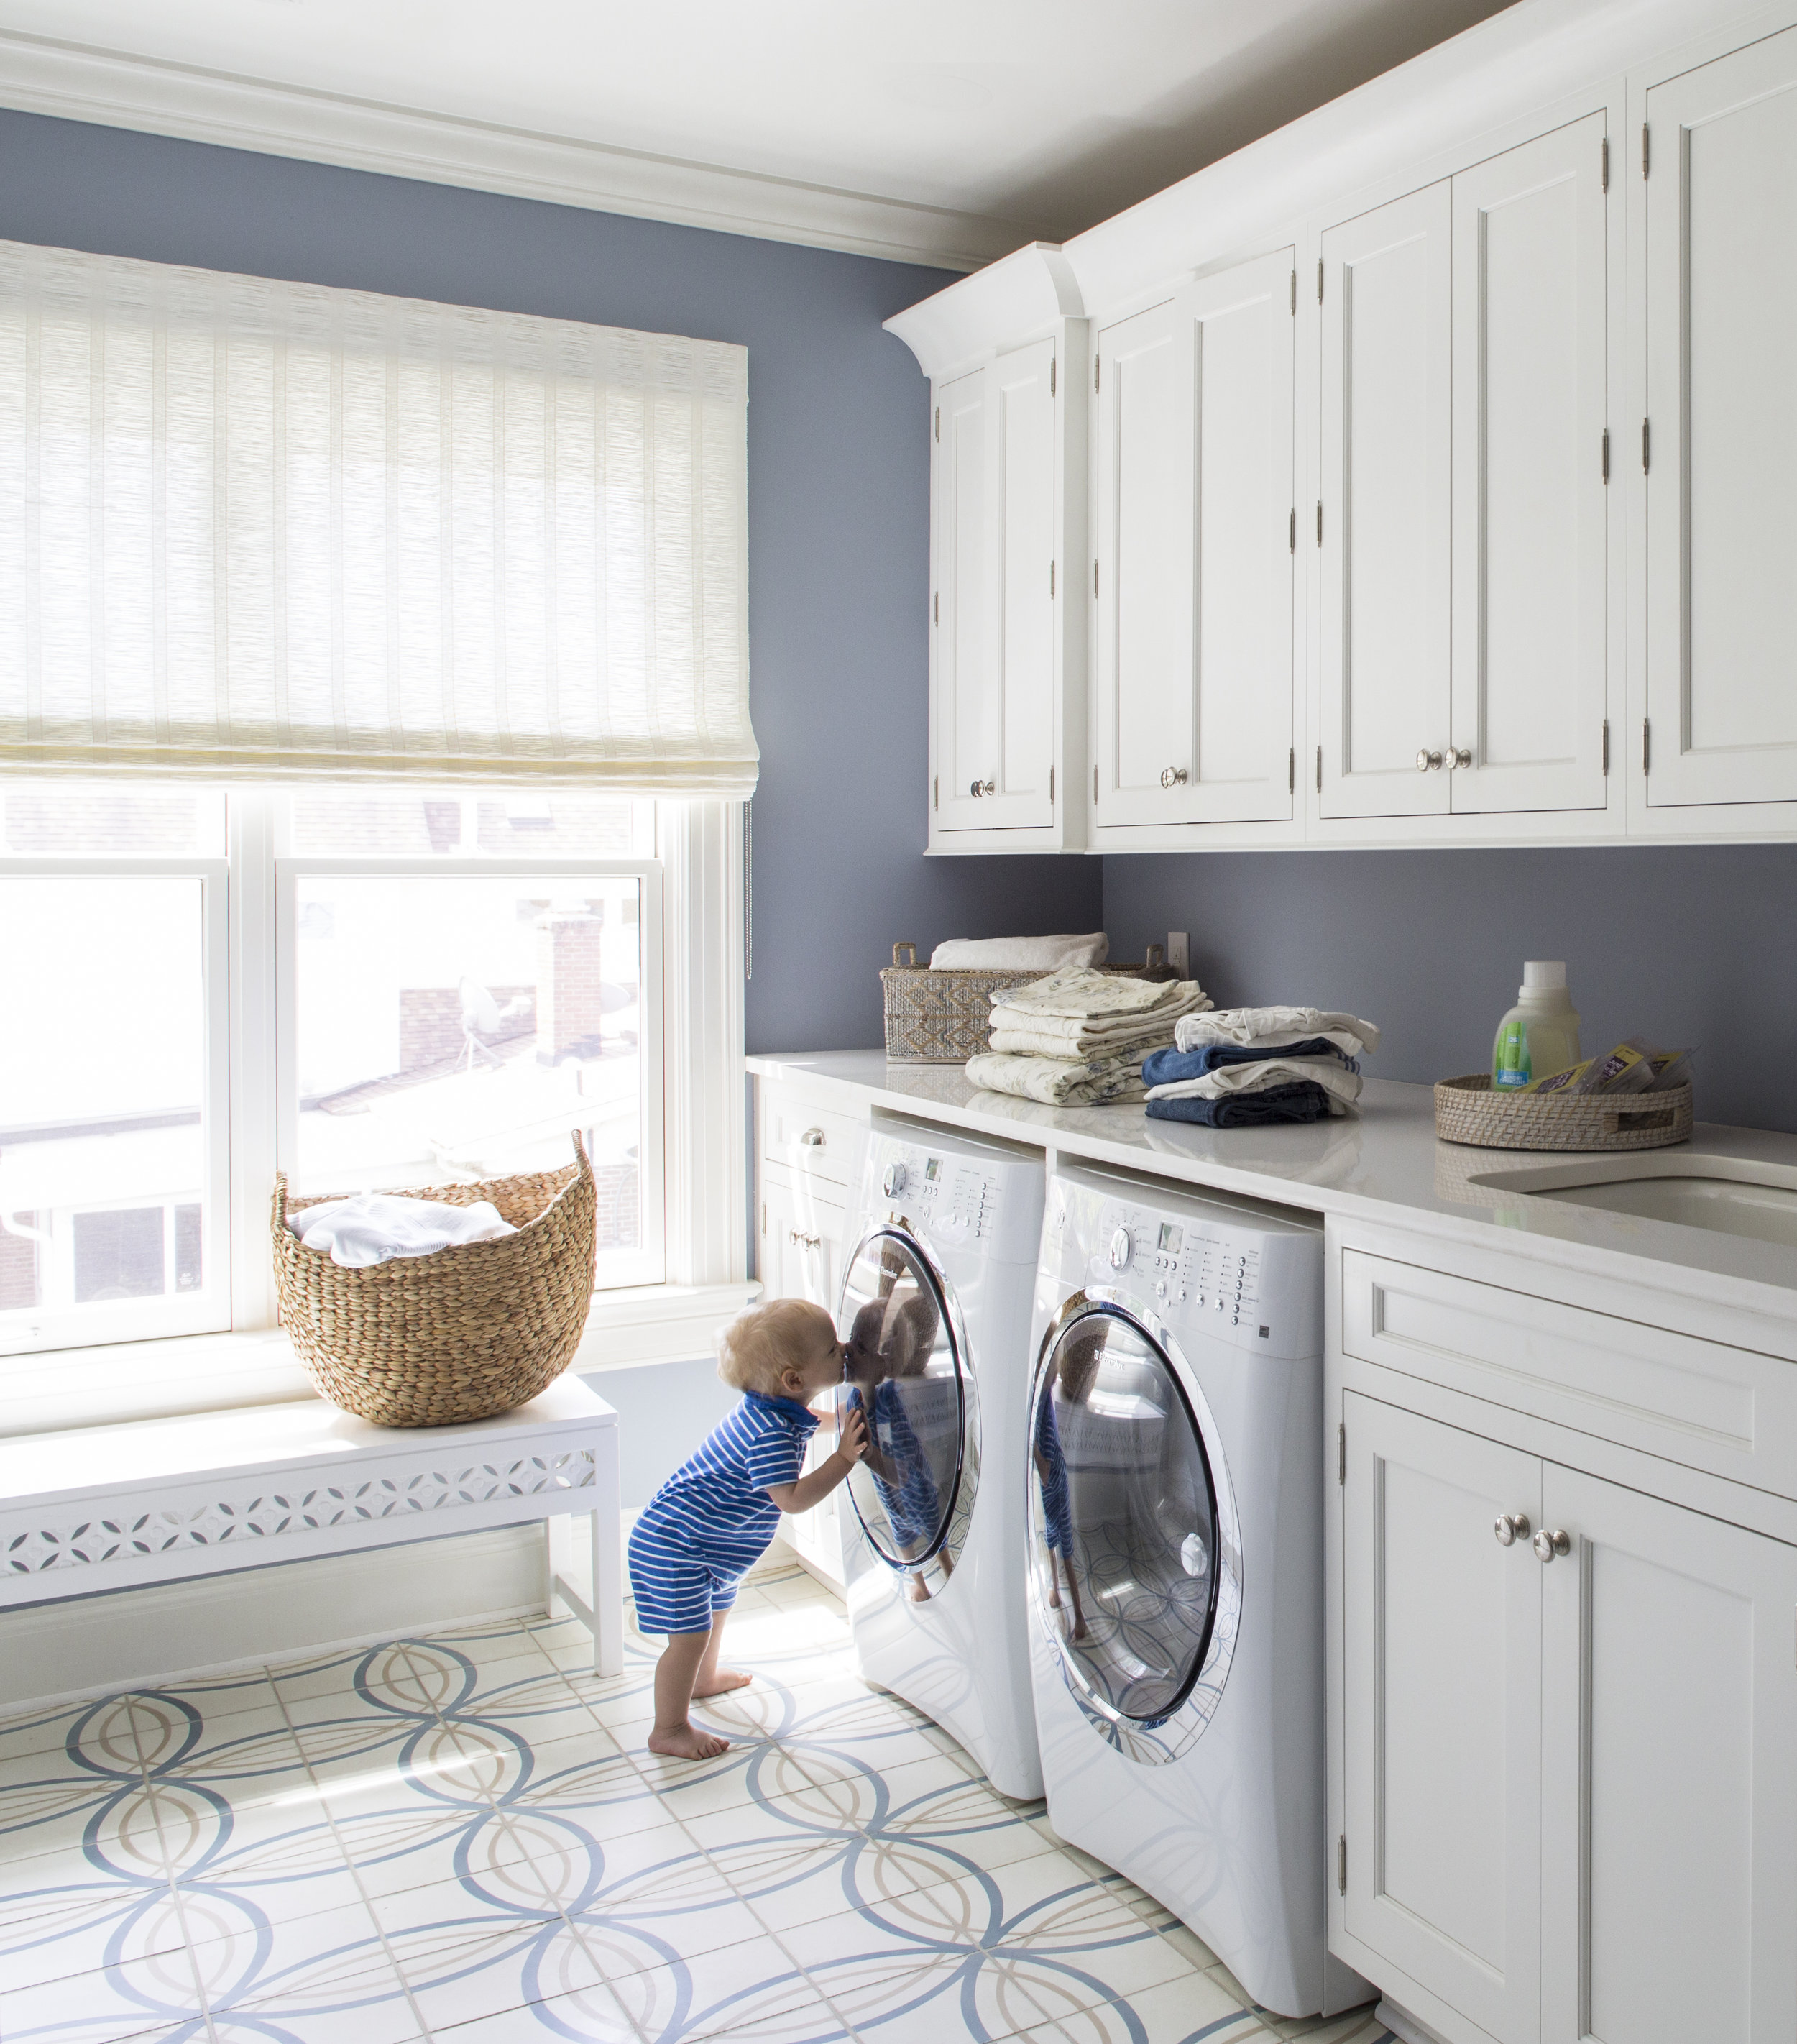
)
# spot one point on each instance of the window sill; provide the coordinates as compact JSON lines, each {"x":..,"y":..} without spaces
{"x":52,"y":1389}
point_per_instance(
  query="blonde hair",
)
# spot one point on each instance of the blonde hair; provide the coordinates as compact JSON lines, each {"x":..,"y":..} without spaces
{"x":759,"y":1346}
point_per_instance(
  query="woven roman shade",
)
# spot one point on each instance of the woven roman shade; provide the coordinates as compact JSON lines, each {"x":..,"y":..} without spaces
{"x":256,"y":530}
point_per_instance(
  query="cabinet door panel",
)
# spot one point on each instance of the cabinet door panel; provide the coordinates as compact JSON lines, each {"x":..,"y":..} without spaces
{"x":1143,"y":551}
{"x":1241,"y":326}
{"x":1669,"y":1698}
{"x":1722,"y":517}
{"x":1529,"y":528}
{"x":1441,"y":1686}
{"x":966,"y":712}
{"x":1023,"y":491}
{"x":1386,"y":468}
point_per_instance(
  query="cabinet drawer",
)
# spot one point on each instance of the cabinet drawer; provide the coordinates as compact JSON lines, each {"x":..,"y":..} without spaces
{"x":813,"y":1141}
{"x":1707,"y":1405}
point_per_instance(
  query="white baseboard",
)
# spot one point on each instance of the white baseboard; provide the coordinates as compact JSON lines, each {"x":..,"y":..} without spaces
{"x":86,"y":1646}
{"x":1404,"y":2026}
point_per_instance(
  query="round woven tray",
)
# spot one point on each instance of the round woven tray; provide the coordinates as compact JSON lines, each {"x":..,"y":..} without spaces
{"x":426,"y":1341}
{"x":1468,"y":1110}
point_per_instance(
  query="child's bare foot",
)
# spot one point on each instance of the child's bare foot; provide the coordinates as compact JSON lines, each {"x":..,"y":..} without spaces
{"x":919,"y":1590}
{"x":686,"y":1742}
{"x":1079,"y":1630}
{"x":725,"y":1679}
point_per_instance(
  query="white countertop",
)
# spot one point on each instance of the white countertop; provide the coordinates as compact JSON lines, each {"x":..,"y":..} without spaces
{"x":1384,"y":1165}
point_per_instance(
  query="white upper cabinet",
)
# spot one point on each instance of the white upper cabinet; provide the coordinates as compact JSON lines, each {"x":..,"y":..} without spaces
{"x":1720,"y":439}
{"x":1194,"y":533}
{"x":1530,"y":560}
{"x":1385,"y":512}
{"x":995,"y":604}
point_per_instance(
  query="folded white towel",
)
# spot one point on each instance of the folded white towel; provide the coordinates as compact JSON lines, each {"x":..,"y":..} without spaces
{"x":1020,"y":954}
{"x":1081,"y":995}
{"x":1272,"y":1026}
{"x":1341,"y":1085}
{"x":1058,"y":1082}
{"x":373,"y":1227}
{"x":1077,"y":1040}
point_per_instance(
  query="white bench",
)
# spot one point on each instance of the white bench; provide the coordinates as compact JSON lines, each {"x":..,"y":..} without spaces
{"x":103,"y":1508}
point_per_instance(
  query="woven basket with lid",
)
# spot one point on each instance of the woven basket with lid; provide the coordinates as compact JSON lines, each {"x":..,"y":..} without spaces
{"x":943,"y":1016}
{"x":1468,"y":1110}
{"x":469,"y":1331}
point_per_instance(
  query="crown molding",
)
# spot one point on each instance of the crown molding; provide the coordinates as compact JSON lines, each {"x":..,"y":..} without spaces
{"x":116,"y":90}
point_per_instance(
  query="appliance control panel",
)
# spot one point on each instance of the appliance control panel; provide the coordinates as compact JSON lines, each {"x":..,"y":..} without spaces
{"x":1201,"y":1265}
{"x":955,"y":1199}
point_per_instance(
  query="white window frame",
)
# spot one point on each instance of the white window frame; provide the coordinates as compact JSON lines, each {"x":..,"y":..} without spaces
{"x":239,"y":1358}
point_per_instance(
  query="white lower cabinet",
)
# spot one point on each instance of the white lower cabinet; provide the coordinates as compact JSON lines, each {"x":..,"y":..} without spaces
{"x":1569,"y":1757}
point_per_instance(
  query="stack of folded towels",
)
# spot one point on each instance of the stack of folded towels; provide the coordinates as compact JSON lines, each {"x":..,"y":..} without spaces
{"x":1242,"y":1067}
{"x":1078,"y":1038}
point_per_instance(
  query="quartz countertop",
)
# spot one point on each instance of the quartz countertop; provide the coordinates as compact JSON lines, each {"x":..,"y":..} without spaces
{"x":1384,"y":1165}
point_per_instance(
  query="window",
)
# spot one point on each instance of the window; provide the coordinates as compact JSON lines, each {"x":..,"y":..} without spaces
{"x":456,"y":984}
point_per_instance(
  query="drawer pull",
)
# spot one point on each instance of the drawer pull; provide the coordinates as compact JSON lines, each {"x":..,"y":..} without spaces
{"x":1511,"y":1527}
{"x":1548,"y":1545}
{"x":803,"y":1241}
{"x":811,"y":1139}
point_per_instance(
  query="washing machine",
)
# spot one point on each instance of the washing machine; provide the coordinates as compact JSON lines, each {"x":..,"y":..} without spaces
{"x":1175,"y":1516}
{"x":937,"y":1296}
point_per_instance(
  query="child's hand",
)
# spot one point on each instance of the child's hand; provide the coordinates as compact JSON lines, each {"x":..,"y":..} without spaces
{"x":853,"y":1444}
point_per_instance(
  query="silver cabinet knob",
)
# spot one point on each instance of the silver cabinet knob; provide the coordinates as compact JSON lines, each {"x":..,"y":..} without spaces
{"x":1459,"y":756}
{"x":1121,"y":1248}
{"x":977,"y":788}
{"x":812,"y":1139}
{"x":1173,"y":776}
{"x":1511,"y":1527}
{"x":1426,"y":760}
{"x":1549,"y":1544}
{"x":802,"y":1241}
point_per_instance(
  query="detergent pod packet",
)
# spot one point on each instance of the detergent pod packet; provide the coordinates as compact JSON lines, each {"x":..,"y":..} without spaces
{"x":1633,"y":1066}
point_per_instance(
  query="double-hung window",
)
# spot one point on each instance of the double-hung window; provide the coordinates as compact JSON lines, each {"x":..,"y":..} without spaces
{"x":373,"y":729}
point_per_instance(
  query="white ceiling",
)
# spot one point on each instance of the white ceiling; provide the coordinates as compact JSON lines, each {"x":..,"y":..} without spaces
{"x":1021,"y":118}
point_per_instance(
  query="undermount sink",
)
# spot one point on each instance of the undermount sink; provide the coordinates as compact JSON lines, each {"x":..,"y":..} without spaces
{"x":1727,"y":1195}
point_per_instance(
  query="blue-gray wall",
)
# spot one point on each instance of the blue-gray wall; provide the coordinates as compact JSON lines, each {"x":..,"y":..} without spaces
{"x":839,"y":465}
{"x":1686,"y":945}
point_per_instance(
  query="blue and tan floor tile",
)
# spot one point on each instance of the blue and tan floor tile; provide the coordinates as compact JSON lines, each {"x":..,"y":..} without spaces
{"x":463,"y":1839}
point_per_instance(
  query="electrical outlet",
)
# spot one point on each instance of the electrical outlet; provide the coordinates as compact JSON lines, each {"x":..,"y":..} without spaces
{"x":1179,"y":953}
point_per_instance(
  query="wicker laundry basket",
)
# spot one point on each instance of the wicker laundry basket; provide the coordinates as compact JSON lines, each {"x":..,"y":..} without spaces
{"x":426,"y":1341}
{"x":1468,"y":1110}
{"x":945,"y":1017}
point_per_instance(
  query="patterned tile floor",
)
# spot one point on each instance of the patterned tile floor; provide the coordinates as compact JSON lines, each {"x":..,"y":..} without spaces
{"x":464,"y":1838}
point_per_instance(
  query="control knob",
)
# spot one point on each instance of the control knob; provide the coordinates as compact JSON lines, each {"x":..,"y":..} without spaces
{"x":894,"y":1180}
{"x":1121,"y":1246}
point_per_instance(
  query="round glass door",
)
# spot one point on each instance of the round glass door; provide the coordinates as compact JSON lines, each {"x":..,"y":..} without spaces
{"x":1126,"y":1553}
{"x":904,"y":1372}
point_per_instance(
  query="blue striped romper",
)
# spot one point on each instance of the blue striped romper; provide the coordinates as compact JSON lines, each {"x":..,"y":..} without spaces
{"x":712,"y":1519}
{"x":1051,"y":1470}
{"x":913,"y":1505}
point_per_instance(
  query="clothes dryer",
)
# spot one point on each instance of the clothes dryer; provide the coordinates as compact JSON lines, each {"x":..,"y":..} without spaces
{"x":935,"y":1313}
{"x":1176,"y":1559}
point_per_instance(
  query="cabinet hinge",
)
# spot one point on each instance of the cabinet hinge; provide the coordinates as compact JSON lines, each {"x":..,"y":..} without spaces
{"x":1606,"y":453}
{"x":1094,"y":787}
{"x":1341,"y":1865}
{"x":1051,"y":579}
{"x":1095,"y":372}
{"x":1646,"y":447}
{"x":1645,"y":158}
{"x":1320,"y":280}
{"x":1292,"y":529}
{"x":1607,"y":747}
{"x":936,"y":791}
{"x":1646,"y":746}
{"x":1319,"y":522}
{"x":1606,"y":163}
{"x":1341,"y":1452}
{"x":1291,"y":771}
{"x":1051,"y":358}
{"x":764,"y":1216}
{"x":1320,"y":769}
{"x":938,"y":422}
{"x":936,"y":607}
{"x":1294,"y":294}
{"x":1051,"y":785}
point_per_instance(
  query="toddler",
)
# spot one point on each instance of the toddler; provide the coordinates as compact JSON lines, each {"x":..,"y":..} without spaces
{"x":1079,"y":1361}
{"x":891,"y":1341}
{"x":714,"y":1517}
